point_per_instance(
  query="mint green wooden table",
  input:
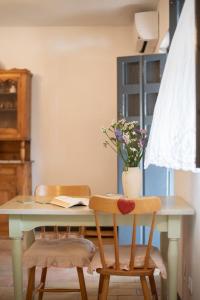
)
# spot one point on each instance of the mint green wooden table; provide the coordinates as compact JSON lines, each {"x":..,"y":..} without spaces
{"x":25,"y":214}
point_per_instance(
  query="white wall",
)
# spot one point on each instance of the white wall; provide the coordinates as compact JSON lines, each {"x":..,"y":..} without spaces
{"x":74,"y":94}
{"x":187,"y":185}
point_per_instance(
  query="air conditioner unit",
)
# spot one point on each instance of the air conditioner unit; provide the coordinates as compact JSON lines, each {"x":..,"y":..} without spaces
{"x":147,"y":30}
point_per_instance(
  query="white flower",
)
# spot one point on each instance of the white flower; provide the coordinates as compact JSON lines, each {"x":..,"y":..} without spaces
{"x":126,"y":138}
{"x":133,"y":150}
{"x":131,"y":126}
{"x":123,"y":137}
{"x":125,"y":126}
{"x":122,"y":121}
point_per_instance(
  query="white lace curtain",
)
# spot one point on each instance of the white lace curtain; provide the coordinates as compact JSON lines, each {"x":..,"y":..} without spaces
{"x":172,"y":140}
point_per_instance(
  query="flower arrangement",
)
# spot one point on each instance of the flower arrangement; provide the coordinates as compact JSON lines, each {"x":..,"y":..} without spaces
{"x":126,"y":139}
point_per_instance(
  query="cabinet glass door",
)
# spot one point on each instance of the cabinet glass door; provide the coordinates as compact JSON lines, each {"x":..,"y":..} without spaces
{"x":8,"y":103}
{"x":15,"y":94}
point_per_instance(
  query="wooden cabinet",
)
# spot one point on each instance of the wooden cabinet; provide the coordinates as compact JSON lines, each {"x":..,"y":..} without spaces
{"x":15,"y":164}
{"x":15,"y":104}
{"x":15,"y":178}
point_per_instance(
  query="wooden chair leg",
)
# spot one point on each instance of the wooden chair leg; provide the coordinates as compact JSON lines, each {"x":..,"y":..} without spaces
{"x":81,"y":230}
{"x":42,"y":283}
{"x":31,"y":284}
{"x":67,"y":231}
{"x":56,"y":233}
{"x":100,"y":286}
{"x":43,"y":232}
{"x":153,"y":287}
{"x":145,"y":288}
{"x":105,"y":287}
{"x":82,"y":283}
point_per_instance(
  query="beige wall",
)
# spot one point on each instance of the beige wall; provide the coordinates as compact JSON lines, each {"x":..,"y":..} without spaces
{"x":187,"y":185}
{"x":73,"y":96}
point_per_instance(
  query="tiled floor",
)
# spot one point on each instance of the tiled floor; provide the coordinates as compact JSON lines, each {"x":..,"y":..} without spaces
{"x":121,"y":288}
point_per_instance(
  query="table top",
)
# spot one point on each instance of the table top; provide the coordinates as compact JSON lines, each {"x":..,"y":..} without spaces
{"x":27,"y":205}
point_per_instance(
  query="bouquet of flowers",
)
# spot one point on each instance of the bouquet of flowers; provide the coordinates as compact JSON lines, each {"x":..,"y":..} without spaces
{"x":126,"y":139}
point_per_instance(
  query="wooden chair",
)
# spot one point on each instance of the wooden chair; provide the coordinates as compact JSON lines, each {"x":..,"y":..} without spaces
{"x":70,"y":252}
{"x":68,"y":190}
{"x":131,"y":260}
{"x":73,"y":190}
{"x":60,"y":253}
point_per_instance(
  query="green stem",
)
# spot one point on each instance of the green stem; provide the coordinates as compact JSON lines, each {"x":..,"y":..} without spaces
{"x":141,"y":154}
{"x":120,"y":152}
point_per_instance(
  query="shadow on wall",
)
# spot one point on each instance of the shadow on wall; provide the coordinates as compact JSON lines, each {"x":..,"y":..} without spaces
{"x":2,"y":66}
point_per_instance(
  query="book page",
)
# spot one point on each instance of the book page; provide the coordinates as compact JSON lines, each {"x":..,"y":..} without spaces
{"x":66,"y":201}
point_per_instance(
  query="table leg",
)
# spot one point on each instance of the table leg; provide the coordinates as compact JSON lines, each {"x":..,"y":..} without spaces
{"x":172,"y":268}
{"x":17,"y":268}
{"x":29,"y":238}
{"x":174,"y":234}
{"x":163,"y":249}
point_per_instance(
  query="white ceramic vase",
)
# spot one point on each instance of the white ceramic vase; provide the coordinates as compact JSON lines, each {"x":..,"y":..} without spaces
{"x":132,"y":182}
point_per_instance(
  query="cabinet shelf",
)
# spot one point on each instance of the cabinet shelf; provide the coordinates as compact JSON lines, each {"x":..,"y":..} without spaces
{"x":2,"y":110}
{"x":14,"y":162}
{"x":7,"y":94}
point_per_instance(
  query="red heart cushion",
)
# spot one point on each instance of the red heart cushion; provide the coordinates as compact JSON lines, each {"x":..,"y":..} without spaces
{"x":125,"y":206}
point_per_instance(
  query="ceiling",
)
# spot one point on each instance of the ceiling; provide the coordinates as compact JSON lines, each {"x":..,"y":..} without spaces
{"x":71,"y":12}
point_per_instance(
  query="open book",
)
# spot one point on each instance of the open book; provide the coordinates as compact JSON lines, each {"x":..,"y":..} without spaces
{"x":67,"y":201}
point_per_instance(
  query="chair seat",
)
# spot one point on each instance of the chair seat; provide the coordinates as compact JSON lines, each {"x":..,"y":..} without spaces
{"x":66,"y":253}
{"x":156,"y":260}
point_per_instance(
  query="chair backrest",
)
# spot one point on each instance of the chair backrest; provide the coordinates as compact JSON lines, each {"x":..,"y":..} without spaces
{"x":68,"y":190}
{"x":139,"y":206}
